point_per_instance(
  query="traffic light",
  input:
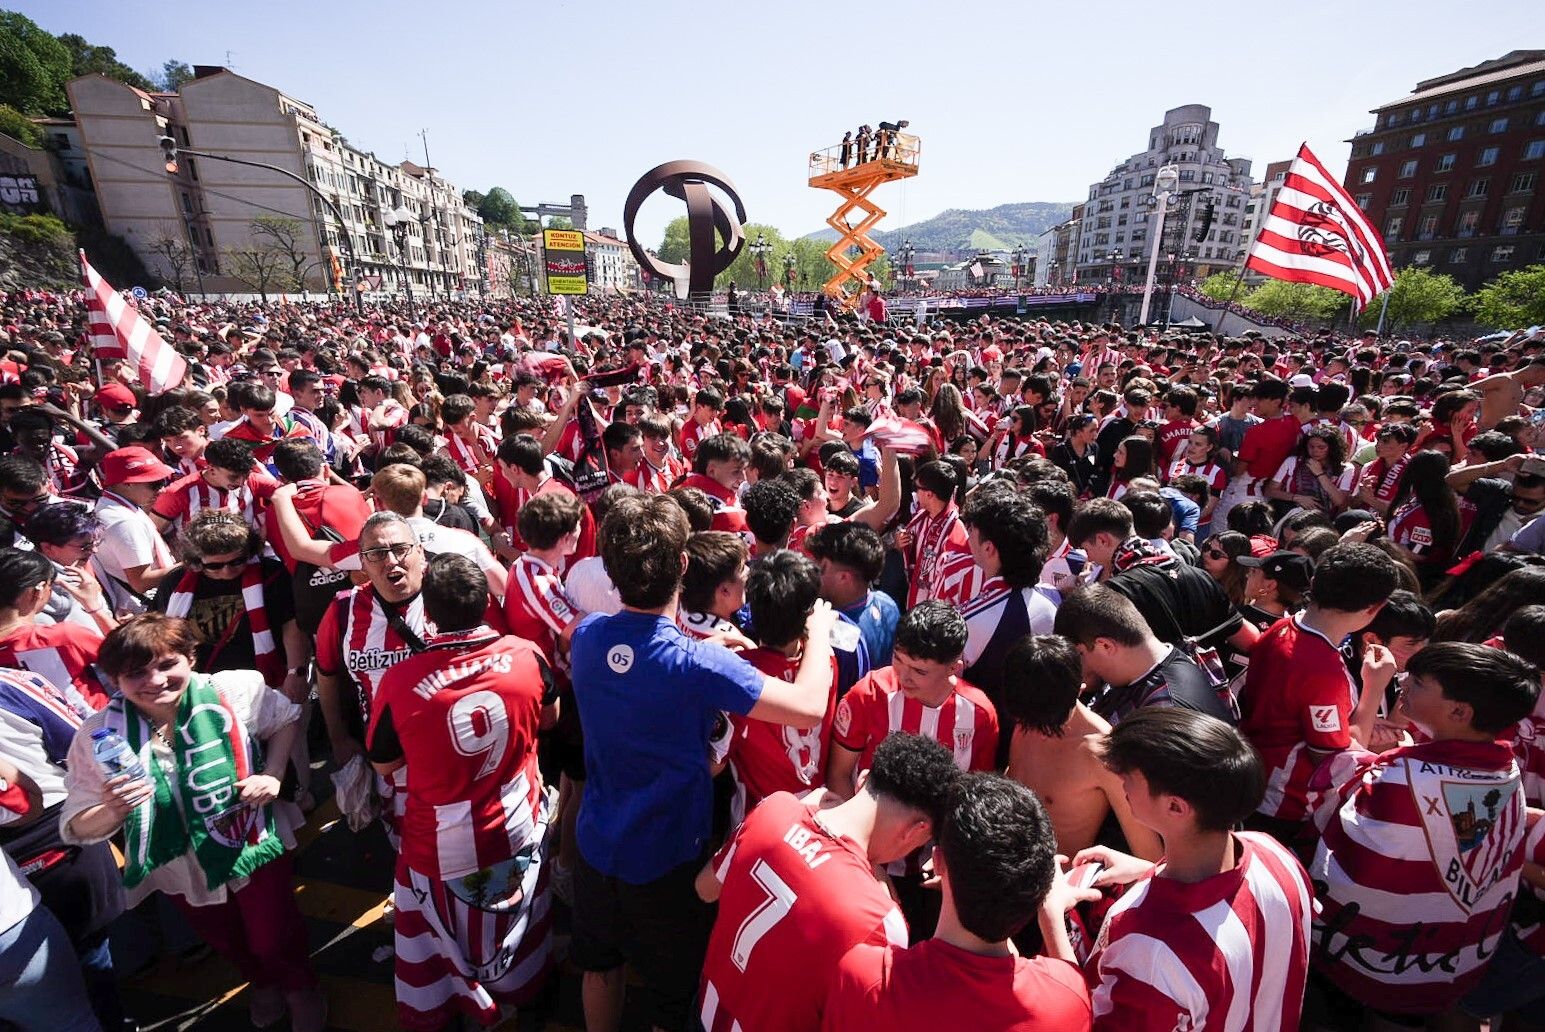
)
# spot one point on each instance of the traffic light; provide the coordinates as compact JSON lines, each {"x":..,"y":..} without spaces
{"x":169,"y":152}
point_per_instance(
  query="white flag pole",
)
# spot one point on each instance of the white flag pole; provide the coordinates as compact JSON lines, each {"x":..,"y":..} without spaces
{"x":1383,"y":310}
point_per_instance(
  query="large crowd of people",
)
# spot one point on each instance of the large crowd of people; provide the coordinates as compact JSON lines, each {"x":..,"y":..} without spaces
{"x":996,"y":674}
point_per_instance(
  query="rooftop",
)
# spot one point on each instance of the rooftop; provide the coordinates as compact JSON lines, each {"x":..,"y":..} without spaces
{"x":1511,"y":66}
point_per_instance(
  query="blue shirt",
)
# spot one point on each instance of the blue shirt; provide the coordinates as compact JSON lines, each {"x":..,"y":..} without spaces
{"x":1187,"y":513}
{"x":868,"y":464}
{"x":876,"y":616}
{"x":648,"y":697}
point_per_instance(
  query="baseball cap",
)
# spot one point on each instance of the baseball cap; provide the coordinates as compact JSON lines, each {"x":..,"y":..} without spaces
{"x":133,"y":465}
{"x":1301,"y":380}
{"x":116,"y":395}
{"x":1290,"y":568}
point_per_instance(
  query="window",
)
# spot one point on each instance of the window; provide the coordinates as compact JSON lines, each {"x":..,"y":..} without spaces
{"x":1428,"y":228}
{"x":1418,"y":139}
{"x":1451,"y":107}
{"x":1498,"y":125}
{"x":1187,"y":175}
{"x":1369,"y":174}
{"x":1207,"y":177}
{"x":1363,"y":200}
{"x":1538,"y":89}
{"x":1539,"y":117}
{"x":1470,"y":103}
{"x":1376,"y":149}
{"x":1493,"y":97}
{"x":1487,"y":157}
{"x":1407,"y":169}
{"x":1445,"y":162}
{"x":1459,"y":255}
{"x":1478,"y":187}
{"x":1534,"y":149}
{"x":1503,"y":253}
{"x":1468,"y":222}
{"x":1421,"y":258}
{"x":1400,"y":198}
{"x":1523,"y":182}
{"x":1512,"y":221}
{"x":1515,"y":93}
{"x":1416,"y":115}
{"x":1393,"y":226}
{"x":1456,"y":133}
{"x":1437,"y":192}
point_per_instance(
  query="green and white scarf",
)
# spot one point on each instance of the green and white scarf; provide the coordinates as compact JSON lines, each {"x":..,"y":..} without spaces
{"x":202,"y":809}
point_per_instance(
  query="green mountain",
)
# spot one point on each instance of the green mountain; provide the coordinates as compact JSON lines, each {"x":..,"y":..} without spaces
{"x":960,"y":230}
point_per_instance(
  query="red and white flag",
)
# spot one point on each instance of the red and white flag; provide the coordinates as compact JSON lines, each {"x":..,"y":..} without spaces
{"x":1315,"y":233}
{"x":118,"y":330}
{"x":906,"y":436}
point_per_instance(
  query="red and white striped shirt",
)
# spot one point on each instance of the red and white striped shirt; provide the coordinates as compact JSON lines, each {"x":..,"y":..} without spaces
{"x":957,"y":579}
{"x":695,"y":433}
{"x":465,"y":713}
{"x":933,"y":537}
{"x":966,"y":723}
{"x":537,"y":608}
{"x":188,"y":496}
{"x":1417,"y":868}
{"x":1230,"y":952}
{"x":656,"y":479}
{"x":1215,"y":475}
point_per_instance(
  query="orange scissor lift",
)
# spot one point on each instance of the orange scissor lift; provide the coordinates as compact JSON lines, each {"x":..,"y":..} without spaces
{"x":854,"y":182}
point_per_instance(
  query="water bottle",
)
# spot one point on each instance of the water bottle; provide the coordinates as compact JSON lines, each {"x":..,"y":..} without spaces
{"x":114,"y":756}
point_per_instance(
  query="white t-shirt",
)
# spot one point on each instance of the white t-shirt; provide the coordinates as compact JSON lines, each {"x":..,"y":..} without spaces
{"x":591,"y":589}
{"x":129,"y":539}
{"x":18,"y":899}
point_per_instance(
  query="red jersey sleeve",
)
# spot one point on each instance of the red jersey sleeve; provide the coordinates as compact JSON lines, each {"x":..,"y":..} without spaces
{"x":850,"y":727}
{"x":984,"y":752}
{"x":854,"y":994}
{"x":171,"y":504}
{"x":262,"y":485}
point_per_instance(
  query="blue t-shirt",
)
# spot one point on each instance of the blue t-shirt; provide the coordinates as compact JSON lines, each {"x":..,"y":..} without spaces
{"x":868,"y":464}
{"x":1187,"y":513}
{"x":877,"y":617}
{"x":648,"y":697}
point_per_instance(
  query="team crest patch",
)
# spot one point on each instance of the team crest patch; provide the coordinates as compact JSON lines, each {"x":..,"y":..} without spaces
{"x":1474,"y":827}
{"x":237,"y":825}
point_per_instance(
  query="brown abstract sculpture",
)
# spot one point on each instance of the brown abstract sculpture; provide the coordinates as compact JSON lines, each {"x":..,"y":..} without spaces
{"x":706,"y":213}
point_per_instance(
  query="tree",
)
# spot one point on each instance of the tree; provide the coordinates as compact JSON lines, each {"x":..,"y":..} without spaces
{"x":1419,"y":297}
{"x":1513,"y":300}
{"x":88,"y":59}
{"x":19,"y":127}
{"x":472,"y":199}
{"x":498,"y":208}
{"x":1221,"y":286}
{"x":34,"y":66}
{"x":1296,"y":301}
{"x":559,"y":222}
{"x":287,"y":237}
{"x":172,"y":75}
{"x":175,"y":252}
{"x":261,"y":268}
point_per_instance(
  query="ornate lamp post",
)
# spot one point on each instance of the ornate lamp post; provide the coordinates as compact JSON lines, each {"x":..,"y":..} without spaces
{"x":760,"y":248}
{"x":398,"y":220}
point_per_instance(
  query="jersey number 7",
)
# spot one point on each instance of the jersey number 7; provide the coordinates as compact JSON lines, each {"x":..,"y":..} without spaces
{"x":780,"y":900}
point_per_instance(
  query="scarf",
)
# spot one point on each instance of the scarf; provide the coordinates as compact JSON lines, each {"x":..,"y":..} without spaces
{"x":201,"y":812}
{"x":266,"y":656}
{"x":1136,"y":551}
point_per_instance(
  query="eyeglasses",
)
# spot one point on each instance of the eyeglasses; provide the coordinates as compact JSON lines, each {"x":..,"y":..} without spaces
{"x":398,"y":553}
{"x":86,"y":547}
{"x":227,"y":565}
{"x":1216,"y":553}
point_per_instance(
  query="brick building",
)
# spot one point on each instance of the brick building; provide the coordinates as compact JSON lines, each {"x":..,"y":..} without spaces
{"x":1450,"y":173}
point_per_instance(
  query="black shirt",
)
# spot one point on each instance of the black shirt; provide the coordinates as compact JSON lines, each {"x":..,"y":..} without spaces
{"x":217,"y":603}
{"x":1179,"y":602}
{"x":1080,"y":469}
{"x":1176,"y":681}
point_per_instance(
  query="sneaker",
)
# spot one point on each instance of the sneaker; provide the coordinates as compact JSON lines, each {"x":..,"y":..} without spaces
{"x":265,"y":1006}
{"x":308,"y":1010}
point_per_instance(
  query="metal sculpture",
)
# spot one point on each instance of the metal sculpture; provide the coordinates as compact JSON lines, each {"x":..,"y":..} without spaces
{"x":706,"y":214}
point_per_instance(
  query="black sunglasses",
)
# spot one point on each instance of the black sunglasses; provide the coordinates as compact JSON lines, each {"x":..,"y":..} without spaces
{"x":228,"y":564}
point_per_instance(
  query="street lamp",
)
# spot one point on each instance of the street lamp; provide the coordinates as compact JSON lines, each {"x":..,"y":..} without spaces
{"x":1114,"y":258}
{"x":759,"y":250}
{"x":790,"y":270}
{"x":1019,"y":264}
{"x":1052,"y":276}
{"x":1164,"y":183}
{"x":398,"y":220}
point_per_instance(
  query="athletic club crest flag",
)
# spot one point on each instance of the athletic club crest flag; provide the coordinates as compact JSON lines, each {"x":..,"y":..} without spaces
{"x":1315,"y":233}
{"x":1473,"y":825}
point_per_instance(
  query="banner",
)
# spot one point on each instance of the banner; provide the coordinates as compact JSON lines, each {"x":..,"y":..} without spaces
{"x":563,"y":251}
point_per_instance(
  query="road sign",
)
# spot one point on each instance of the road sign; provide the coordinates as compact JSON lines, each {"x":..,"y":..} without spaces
{"x":140,"y":293}
{"x":563,"y":251}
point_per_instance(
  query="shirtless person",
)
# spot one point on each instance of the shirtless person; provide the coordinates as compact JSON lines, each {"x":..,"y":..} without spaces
{"x":1503,"y":393}
{"x":1053,"y":747}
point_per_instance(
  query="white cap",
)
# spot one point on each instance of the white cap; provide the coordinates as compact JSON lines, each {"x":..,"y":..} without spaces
{"x":1301,"y":380}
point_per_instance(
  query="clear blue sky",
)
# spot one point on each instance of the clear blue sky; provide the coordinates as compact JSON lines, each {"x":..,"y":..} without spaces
{"x":1014,"y":101}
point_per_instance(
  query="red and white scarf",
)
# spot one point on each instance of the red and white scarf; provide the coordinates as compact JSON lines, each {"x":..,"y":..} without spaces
{"x":466,"y":455}
{"x":266,"y":656}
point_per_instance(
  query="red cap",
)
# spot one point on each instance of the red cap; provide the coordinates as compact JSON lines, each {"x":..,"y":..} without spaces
{"x":133,"y":465}
{"x":116,"y":395}
{"x":1262,"y":545}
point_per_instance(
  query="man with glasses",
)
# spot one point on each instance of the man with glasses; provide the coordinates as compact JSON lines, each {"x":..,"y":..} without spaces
{"x":366,"y":631}
{"x":132,"y":553}
{"x":67,"y":534}
{"x":23,"y":487}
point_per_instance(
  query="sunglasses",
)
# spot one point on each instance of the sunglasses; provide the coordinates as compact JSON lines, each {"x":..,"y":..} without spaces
{"x":227,"y":565}
{"x":1216,"y":553}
